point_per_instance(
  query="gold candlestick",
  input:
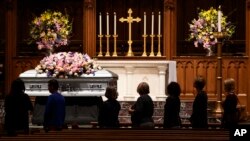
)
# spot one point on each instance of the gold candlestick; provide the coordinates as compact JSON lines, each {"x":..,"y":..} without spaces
{"x":159,"y":46}
{"x":107,"y":53}
{"x":152,"y":46}
{"x":115,"y":53}
{"x":144,"y":45}
{"x":219,"y":36}
{"x":100,"y":51}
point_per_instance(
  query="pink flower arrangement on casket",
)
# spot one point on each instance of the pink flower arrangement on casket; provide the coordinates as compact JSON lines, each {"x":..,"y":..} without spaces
{"x":67,"y":64}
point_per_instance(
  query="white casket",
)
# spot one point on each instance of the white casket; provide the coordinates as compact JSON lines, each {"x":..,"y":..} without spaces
{"x":83,"y":94}
{"x":85,"y":85}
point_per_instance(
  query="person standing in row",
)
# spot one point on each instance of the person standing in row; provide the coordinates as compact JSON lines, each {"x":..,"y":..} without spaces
{"x":143,"y":109}
{"x":17,"y":106}
{"x":198,"y":118}
{"x":172,"y":106}
{"x":230,"y":116}
{"x":109,"y":110}
{"x":54,"y":114}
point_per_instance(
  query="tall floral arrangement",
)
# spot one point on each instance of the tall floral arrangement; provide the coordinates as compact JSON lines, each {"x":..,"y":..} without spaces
{"x":51,"y":29}
{"x":202,"y":29}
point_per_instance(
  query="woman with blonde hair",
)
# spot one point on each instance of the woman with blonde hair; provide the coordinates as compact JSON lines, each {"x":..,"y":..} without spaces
{"x":230,"y":116}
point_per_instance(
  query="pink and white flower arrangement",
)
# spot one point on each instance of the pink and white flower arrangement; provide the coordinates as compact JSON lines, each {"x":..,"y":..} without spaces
{"x":67,"y":64}
{"x":50,"y":29}
{"x":202,"y":29}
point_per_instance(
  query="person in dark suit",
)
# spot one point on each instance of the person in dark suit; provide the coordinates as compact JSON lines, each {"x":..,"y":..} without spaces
{"x":17,"y":106}
{"x":54,"y":114}
{"x":198,"y":118}
{"x":143,"y":109}
{"x":230,"y":115}
{"x":172,"y":106}
{"x":109,"y":110}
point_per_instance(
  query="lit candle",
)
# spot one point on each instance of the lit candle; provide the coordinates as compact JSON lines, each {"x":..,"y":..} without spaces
{"x":159,"y":24}
{"x":152,"y":30}
{"x":114,"y":23}
{"x":100,"y":23}
{"x":219,"y":20}
{"x":145,"y":23}
{"x":107,"y":23}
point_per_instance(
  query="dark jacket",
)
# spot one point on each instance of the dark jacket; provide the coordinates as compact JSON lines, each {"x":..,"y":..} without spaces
{"x":171,"y":112}
{"x":17,"y":107}
{"x":198,"y":118}
{"x":144,"y":109}
{"x":230,"y":116}
{"x":54,"y":114}
{"x":108,"y":114}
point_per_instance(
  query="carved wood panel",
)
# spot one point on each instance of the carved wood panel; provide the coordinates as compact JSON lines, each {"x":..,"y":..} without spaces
{"x":190,"y":67}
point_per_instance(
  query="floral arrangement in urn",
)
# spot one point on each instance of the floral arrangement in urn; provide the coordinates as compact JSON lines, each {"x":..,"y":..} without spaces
{"x":51,"y":29}
{"x":67,"y":64}
{"x":202,"y":29}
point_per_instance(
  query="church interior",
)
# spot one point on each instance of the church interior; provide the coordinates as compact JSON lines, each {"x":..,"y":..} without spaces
{"x":137,"y":41}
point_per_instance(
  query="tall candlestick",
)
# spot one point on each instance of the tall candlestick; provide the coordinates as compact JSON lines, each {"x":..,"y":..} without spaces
{"x":107,"y":23}
{"x":152,"y":30}
{"x":159,"y":24}
{"x":114,"y":23}
{"x":145,"y":24}
{"x":100,"y":23}
{"x":219,"y":20}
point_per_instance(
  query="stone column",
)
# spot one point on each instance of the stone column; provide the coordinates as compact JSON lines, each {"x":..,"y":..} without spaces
{"x":129,"y":84}
{"x":162,"y":84}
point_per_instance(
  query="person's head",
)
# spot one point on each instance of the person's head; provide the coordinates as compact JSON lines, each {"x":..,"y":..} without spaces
{"x":199,"y":83}
{"x":17,"y":86}
{"x":111,"y":93}
{"x":143,"y":88}
{"x":53,"y":85}
{"x":173,"y":89}
{"x":229,"y":85}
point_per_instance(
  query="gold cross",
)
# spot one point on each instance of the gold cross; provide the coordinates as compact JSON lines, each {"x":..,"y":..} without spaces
{"x":130,"y":20}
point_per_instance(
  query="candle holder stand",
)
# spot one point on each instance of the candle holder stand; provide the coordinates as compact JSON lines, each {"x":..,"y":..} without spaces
{"x":219,"y":110}
{"x":144,"y":45}
{"x":159,"y":46}
{"x":152,"y":46}
{"x":115,"y":53}
{"x":100,"y":51}
{"x":107,"y":53}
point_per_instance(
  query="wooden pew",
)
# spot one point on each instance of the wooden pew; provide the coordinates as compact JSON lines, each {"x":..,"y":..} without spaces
{"x":124,"y":134}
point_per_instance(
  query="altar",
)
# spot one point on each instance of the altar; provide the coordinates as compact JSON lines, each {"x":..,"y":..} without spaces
{"x":83,"y":94}
{"x":157,"y":73}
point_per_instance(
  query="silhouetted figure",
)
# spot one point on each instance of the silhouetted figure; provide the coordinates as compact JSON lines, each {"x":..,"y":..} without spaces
{"x":198,"y":118}
{"x":17,"y":106}
{"x":109,"y":110}
{"x":54,"y":114}
{"x":230,"y":116}
{"x":172,"y":106}
{"x":143,"y":109}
